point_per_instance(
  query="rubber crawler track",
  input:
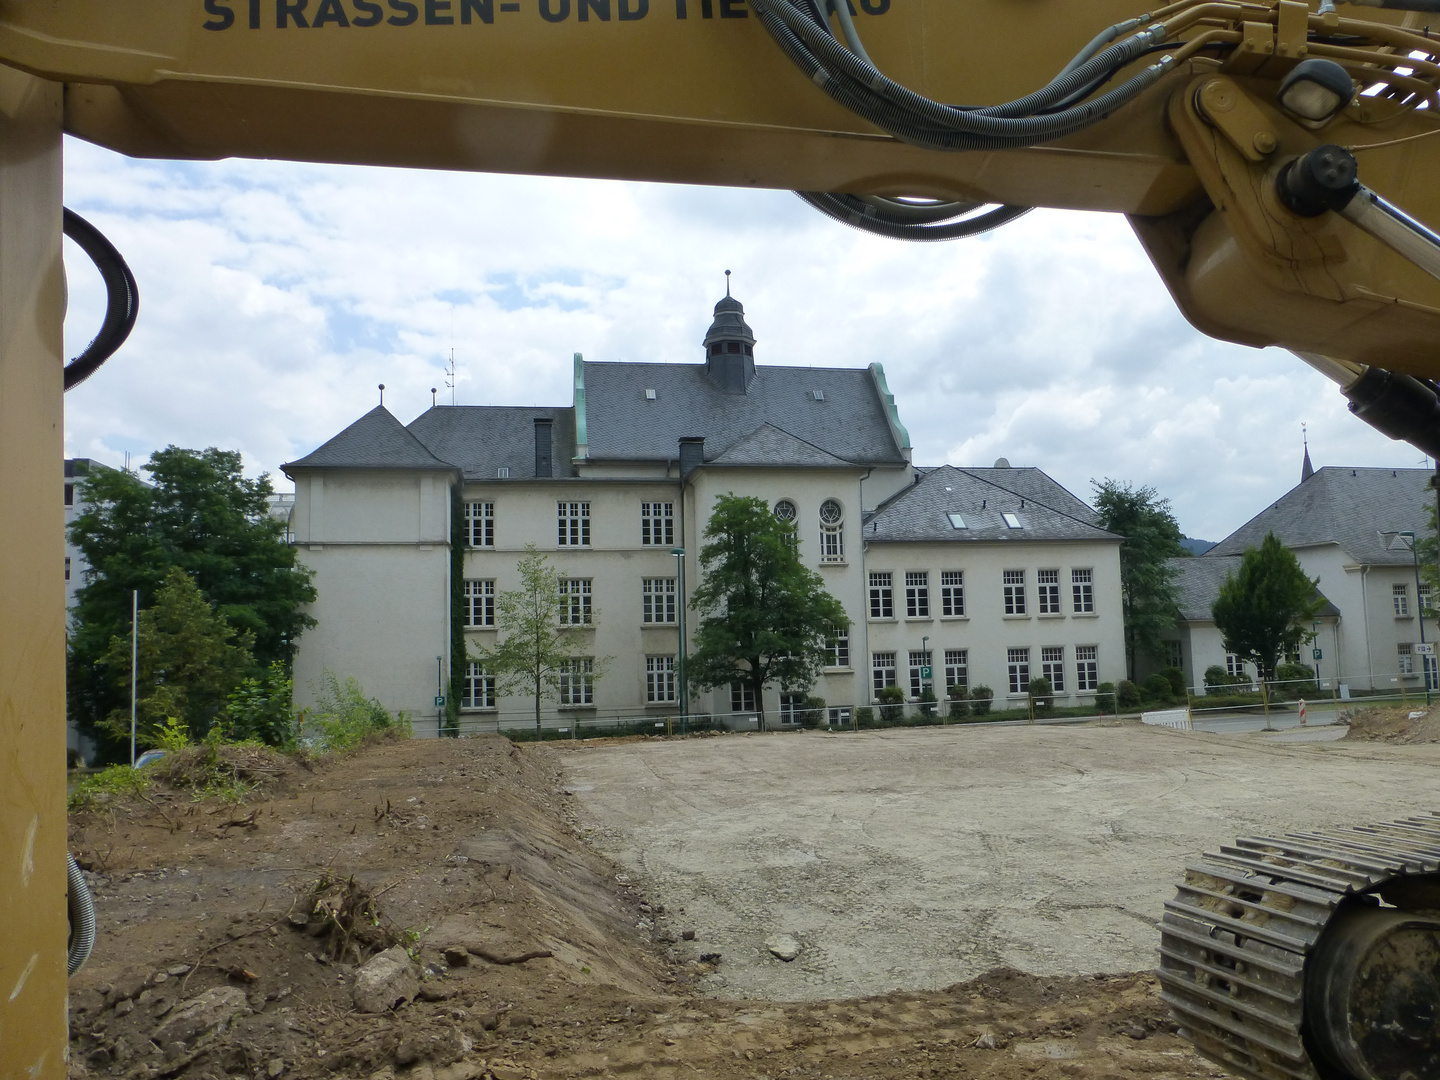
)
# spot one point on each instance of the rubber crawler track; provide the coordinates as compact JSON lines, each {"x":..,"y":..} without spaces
{"x":1235,"y":937}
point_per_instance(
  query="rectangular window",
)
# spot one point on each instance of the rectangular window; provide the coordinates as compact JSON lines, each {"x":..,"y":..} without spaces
{"x":1432,"y":672}
{"x":882,"y":670}
{"x":1174,"y":656}
{"x":839,"y":649}
{"x":1406,"y":657}
{"x":1019,"y":661}
{"x":882,"y":595}
{"x":479,"y":688}
{"x":658,"y":600}
{"x":479,"y":604}
{"x":67,"y":567}
{"x":742,"y":697}
{"x":952,"y":592}
{"x":480,"y":524}
{"x":660,"y":679}
{"x":832,"y":543}
{"x":1400,"y":594}
{"x":1049,"y":589}
{"x":1087,"y":667}
{"x":657,"y":524}
{"x":839,"y":717}
{"x":1427,"y":600}
{"x":69,"y":494}
{"x":576,"y":681}
{"x":792,"y":706}
{"x":1014,"y":581}
{"x":574,"y":520}
{"x":575,"y":602}
{"x":1234,"y":666}
{"x":917,"y":594}
{"x":957,"y":668}
{"x":1082,"y":590}
{"x":918,"y":660}
{"x":1052,"y":666}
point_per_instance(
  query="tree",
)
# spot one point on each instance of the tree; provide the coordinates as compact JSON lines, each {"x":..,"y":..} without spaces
{"x":1147,"y":589}
{"x":190,"y":660}
{"x":764,"y":616}
{"x":1263,"y":609}
{"x":536,"y":654}
{"x":202,"y":516}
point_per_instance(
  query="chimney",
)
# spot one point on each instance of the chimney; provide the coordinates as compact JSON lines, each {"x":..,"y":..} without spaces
{"x":692,"y":455}
{"x":542,"y":447}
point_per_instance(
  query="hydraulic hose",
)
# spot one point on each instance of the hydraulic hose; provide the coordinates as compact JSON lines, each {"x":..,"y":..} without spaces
{"x":862,"y":213}
{"x":122,"y":299}
{"x":82,"y":917}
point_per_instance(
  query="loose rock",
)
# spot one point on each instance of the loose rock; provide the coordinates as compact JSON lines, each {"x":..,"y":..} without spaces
{"x":211,"y":1011}
{"x":386,"y":980}
{"x":783,"y":946}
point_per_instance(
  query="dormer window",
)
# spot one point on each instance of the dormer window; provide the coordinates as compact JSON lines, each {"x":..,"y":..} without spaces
{"x":1012,"y":521}
{"x":649,"y":394}
{"x":503,"y":472}
{"x":817,"y":395}
{"x":956,"y":521}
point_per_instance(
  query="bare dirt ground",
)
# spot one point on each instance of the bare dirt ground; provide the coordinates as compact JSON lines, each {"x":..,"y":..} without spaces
{"x":472,"y":854}
{"x":1395,"y":724}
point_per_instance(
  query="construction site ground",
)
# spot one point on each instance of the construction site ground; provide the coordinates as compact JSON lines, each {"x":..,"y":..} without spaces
{"x":966,"y":902}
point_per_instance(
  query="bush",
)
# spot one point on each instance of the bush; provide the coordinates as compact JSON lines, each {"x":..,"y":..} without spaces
{"x":927,"y":702}
{"x":959,"y":702}
{"x":980,"y":698}
{"x":344,"y":717}
{"x":892,"y":704}
{"x":1219,"y":681}
{"x":1127,"y":695}
{"x":1295,"y":681}
{"x":262,"y":709}
{"x":813,"y":714}
{"x":116,"y":780}
{"x":1105,"y":697}
{"x":864,"y":717}
{"x":1157,"y":689}
{"x":1042,"y":696}
{"x":1176,"y":678}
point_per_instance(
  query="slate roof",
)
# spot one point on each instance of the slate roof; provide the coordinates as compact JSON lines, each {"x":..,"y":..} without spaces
{"x":376,"y":441}
{"x":1045,"y":509}
{"x":769,"y":445}
{"x":850,"y":424}
{"x":481,"y":439}
{"x":1361,"y":510}
{"x":1198,"y":581}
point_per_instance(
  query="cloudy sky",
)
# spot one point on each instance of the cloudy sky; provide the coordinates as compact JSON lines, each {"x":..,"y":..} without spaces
{"x":275,"y":297}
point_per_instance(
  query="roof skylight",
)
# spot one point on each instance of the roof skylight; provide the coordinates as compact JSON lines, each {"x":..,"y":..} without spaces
{"x":1012,"y":521}
{"x":956,"y":521}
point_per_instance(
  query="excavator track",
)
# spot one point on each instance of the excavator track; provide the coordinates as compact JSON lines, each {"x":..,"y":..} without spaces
{"x":1311,"y":956}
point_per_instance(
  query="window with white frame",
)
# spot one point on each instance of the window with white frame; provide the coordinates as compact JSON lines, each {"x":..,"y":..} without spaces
{"x":574,"y":523}
{"x":480,"y":524}
{"x":952,"y":592}
{"x":1087,"y":667}
{"x":1174,"y":656}
{"x":576,"y":681}
{"x":839,"y":646}
{"x":1082,"y":591}
{"x":1014,"y":582}
{"x":742,"y":697}
{"x":1427,"y":596}
{"x":657,"y":598}
{"x":785,"y":510}
{"x":792,"y":708}
{"x":1431,"y":665}
{"x":1052,"y":666}
{"x":1400,"y":595}
{"x":882,"y":595}
{"x":917,"y":594}
{"x":1406,"y":658}
{"x":838,"y":717}
{"x":479,"y":603}
{"x":957,"y":668}
{"x":478,"y":690}
{"x":882,"y":671}
{"x":657,"y":524}
{"x":575,"y":602}
{"x":1019,"y":661}
{"x":832,"y":532}
{"x":660,"y":679}
{"x":1234,"y":666}
{"x":919,"y":660}
{"x":1049,"y":590}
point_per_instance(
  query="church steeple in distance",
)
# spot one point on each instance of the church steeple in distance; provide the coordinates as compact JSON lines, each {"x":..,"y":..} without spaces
{"x":730,"y":345}
{"x":1306,"y":469}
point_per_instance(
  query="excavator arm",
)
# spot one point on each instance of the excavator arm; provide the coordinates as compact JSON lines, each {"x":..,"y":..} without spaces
{"x":1277,"y":160}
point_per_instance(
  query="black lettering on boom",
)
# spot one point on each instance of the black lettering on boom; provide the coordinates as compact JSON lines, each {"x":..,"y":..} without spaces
{"x":373,"y":13}
{"x":485,"y":9}
{"x":408,"y":13}
{"x":433,"y":8}
{"x":641,"y":9}
{"x":561,"y":13}
{"x":254,"y":14}
{"x":601,"y":8}
{"x":875,"y":7}
{"x":285,"y":10}
{"x":731,"y":9}
{"x":224,"y":17}
{"x":330,"y":11}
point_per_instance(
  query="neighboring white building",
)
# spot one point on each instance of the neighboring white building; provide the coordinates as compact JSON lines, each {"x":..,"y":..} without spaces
{"x":76,"y":569}
{"x":1351,"y":529}
{"x":630,"y":470}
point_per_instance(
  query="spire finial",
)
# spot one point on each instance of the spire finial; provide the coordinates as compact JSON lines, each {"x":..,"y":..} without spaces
{"x":1306,"y":469}
{"x":382,"y":393}
{"x":727,"y":282}
{"x":432,"y":397}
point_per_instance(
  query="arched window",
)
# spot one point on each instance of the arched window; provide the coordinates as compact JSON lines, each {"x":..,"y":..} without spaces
{"x":832,"y":532}
{"x":785,"y":510}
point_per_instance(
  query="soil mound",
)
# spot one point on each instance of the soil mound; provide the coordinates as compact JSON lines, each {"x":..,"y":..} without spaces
{"x":1395,"y":724}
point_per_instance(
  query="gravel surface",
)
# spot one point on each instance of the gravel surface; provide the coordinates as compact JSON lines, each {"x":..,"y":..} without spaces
{"x":917,"y":858}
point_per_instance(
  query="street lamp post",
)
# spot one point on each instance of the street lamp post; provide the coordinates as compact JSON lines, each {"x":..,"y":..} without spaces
{"x":679,"y":554}
{"x":1420,"y":615}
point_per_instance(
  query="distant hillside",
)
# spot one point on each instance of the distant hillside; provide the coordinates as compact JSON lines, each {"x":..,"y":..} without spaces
{"x":1197,"y":547}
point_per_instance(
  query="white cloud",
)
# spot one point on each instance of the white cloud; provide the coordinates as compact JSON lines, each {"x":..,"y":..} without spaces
{"x":275,"y":297}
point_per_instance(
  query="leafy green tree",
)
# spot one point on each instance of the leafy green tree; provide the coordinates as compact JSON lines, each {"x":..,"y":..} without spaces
{"x":535,"y":653}
{"x":1264,"y":610}
{"x":199,"y":514}
{"x":764,"y":616}
{"x":1147,"y":581}
{"x":190,"y":659}
{"x":262,"y":708}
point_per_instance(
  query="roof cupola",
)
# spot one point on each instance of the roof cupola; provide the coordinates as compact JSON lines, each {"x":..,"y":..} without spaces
{"x":730,"y":345}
